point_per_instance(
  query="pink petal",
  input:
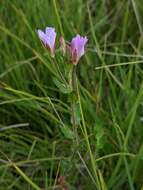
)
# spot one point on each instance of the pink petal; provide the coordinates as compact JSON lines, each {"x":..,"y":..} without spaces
{"x":51,"y":35}
{"x":42,"y":36}
{"x":77,"y":45}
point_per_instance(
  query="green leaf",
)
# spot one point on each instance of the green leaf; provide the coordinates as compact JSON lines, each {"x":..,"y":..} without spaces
{"x":64,"y":88}
{"x":77,"y":113}
{"x":100,"y":137}
{"x":67,"y":132}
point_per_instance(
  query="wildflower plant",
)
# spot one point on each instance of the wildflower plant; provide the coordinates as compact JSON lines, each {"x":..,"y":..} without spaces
{"x":65,"y":79}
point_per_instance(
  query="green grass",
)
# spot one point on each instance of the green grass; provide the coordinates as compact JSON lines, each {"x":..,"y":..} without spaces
{"x":40,"y":147}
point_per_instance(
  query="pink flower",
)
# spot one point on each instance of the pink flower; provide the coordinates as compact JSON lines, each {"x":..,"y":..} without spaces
{"x":77,"y":46}
{"x":48,"y":38}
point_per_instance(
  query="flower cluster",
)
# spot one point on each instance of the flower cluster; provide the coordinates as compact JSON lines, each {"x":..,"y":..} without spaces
{"x":76,"y":47}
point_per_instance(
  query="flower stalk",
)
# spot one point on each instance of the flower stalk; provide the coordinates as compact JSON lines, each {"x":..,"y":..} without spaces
{"x":74,"y":102}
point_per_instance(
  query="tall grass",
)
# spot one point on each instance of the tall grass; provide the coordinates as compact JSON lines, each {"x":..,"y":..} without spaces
{"x":39,"y":148}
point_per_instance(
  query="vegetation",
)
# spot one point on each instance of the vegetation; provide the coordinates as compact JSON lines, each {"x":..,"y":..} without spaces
{"x":40,"y":147}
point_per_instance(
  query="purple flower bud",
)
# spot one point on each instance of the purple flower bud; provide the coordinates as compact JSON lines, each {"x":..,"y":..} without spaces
{"x":48,"y":38}
{"x":77,"y":48}
{"x":62,"y":45}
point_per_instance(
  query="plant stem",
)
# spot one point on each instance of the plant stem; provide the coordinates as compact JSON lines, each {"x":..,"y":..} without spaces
{"x":74,"y":98}
{"x":74,"y":85}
